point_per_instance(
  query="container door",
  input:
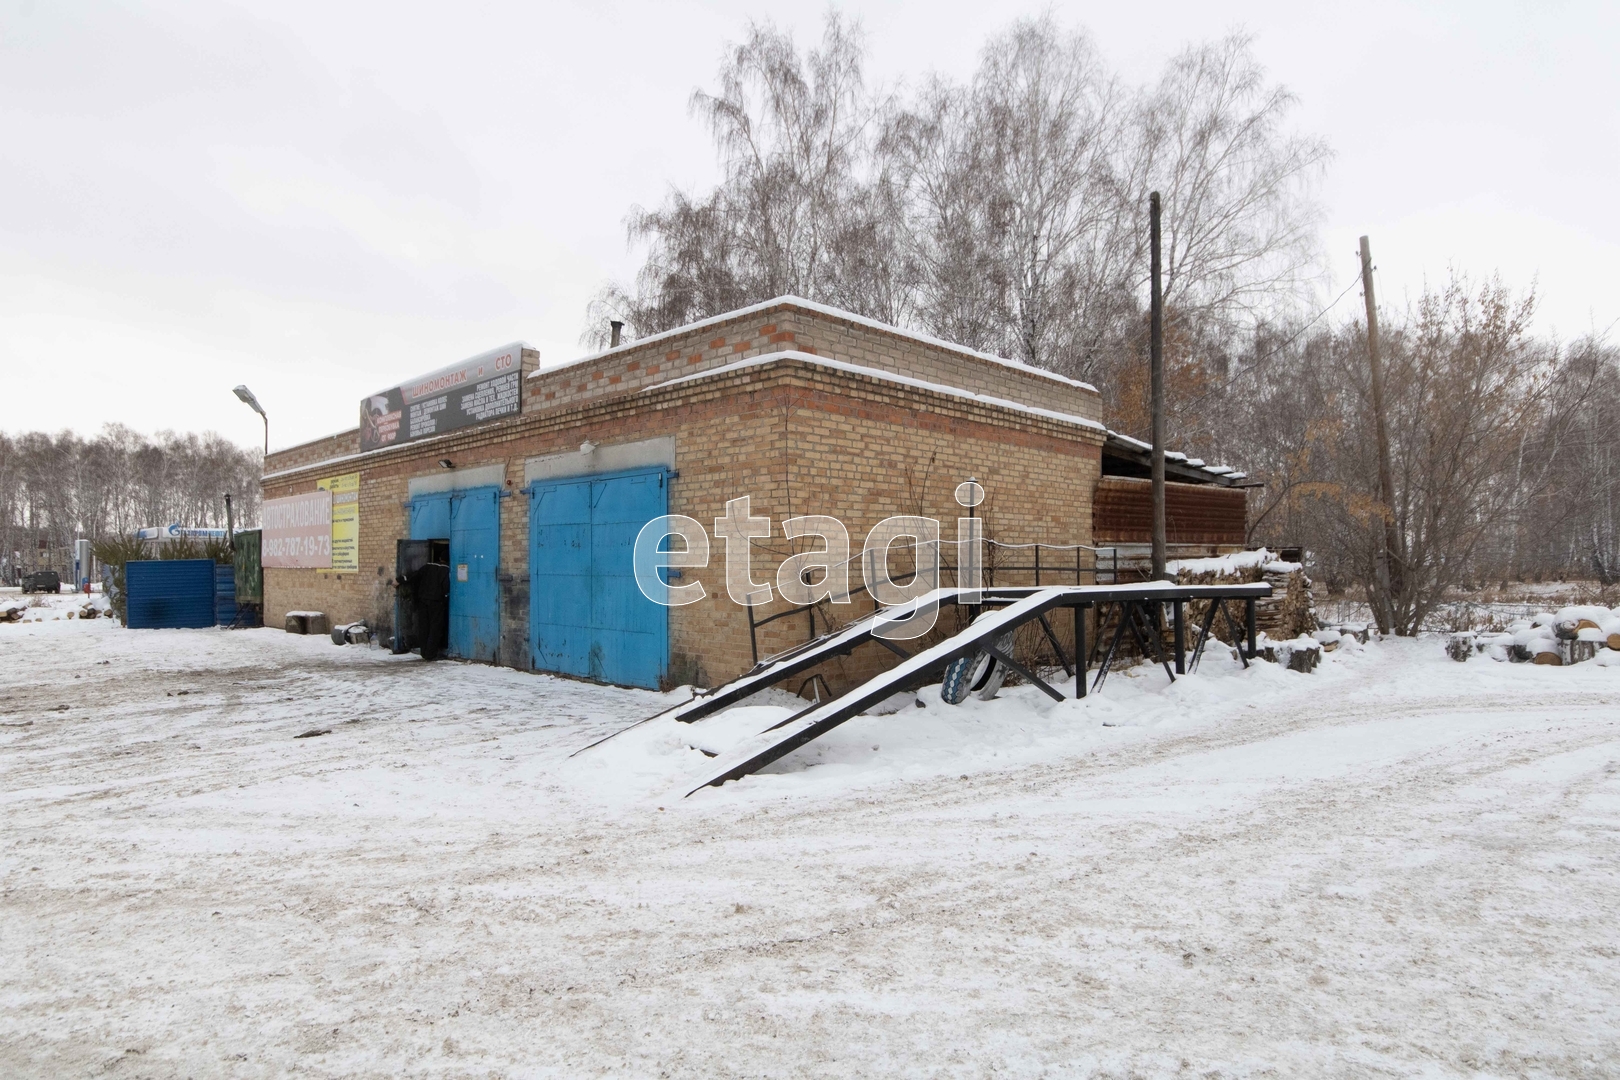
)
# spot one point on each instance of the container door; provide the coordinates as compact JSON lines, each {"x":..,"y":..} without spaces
{"x":225,"y":595}
{"x":475,"y":597}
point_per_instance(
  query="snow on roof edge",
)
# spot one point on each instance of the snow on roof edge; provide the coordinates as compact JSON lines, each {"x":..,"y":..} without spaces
{"x":837,"y":313}
{"x":790,"y":354}
{"x":886,"y":376}
{"x":1224,"y":472}
{"x":319,"y":438}
{"x":356,"y":456}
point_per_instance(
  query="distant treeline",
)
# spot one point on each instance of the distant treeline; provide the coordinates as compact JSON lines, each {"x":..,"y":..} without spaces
{"x":55,"y":489}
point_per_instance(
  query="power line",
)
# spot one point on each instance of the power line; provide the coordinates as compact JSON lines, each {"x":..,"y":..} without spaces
{"x":1295,"y":336}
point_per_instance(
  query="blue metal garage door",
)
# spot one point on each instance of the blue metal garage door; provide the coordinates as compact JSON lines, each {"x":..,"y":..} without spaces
{"x":471,"y":521}
{"x":586,"y":615}
{"x":169,"y":593}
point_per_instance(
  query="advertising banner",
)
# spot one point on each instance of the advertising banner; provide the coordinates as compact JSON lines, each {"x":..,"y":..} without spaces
{"x":345,"y":491}
{"x":298,"y":531}
{"x":487,"y":387}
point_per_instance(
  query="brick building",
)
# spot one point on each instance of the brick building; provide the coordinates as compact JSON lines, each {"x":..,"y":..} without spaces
{"x":804,"y":409}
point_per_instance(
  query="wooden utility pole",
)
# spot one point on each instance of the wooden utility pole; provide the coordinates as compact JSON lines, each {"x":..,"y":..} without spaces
{"x":1389,"y":550}
{"x":1156,"y":378}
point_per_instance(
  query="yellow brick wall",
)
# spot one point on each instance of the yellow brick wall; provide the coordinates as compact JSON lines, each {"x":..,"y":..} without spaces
{"x":343,"y":444}
{"x":795,"y":437}
{"x":862,"y":453}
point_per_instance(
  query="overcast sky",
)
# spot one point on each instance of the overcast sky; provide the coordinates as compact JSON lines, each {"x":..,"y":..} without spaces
{"x":321,"y":199}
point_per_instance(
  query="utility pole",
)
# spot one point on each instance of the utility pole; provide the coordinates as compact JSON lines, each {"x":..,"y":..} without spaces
{"x":1387,"y":577}
{"x":1156,"y":377}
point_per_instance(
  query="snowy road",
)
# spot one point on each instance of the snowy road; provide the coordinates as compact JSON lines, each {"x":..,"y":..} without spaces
{"x":1395,"y":866}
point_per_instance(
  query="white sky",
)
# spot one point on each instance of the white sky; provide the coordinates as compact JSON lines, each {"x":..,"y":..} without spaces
{"x":320,"y":200}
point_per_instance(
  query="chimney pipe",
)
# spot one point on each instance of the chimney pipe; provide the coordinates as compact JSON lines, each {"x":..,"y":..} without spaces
{"x":617,"y":328}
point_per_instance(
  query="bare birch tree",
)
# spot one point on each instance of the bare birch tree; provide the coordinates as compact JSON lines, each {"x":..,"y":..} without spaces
{"x":1004,"y":213}
{"x":798,"y":209}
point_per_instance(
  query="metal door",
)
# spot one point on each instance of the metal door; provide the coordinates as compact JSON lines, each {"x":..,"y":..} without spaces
{"x":430,"y":516}
{"x":587,"y":617}
{"x":560,"y":578}
{"x":475,"y":596}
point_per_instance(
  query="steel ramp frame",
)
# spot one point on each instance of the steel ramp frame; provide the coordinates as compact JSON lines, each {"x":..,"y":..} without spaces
{"x":1018,"y":606}
{"x":788,"y":663}
{"x":801,"y":658}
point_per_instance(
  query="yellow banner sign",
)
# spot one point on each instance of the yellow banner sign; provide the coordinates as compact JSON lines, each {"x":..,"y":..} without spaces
{"x":345,"y":491}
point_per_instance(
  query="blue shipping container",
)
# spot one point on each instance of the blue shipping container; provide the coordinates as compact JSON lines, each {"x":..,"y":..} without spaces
{"x":167,"y":594}
{"x":225,"y":594}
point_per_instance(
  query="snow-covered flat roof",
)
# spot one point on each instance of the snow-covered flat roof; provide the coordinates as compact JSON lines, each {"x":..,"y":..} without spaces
{"x":1223,"y":473}
{"x":828,"y":310}
{"x":885,"y":376}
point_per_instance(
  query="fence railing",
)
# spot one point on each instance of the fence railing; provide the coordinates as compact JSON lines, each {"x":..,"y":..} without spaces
{"x":1059,"y":561}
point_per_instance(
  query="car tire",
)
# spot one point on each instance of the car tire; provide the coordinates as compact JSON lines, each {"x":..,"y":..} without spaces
{"x":990,"y":686}
{"x":963,"y":675}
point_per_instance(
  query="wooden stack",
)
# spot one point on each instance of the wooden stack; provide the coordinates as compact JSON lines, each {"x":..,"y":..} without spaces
{"x":1572,"y":635}
{"x":1286,"y":614}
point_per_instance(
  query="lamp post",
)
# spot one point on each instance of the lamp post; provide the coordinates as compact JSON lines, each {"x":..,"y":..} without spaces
{"x":247,"y":398}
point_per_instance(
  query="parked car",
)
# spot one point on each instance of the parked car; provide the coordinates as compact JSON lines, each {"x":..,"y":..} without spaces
{"x":42,"y":581}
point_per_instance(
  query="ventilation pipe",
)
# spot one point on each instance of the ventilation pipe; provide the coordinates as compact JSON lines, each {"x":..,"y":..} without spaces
{"x":618,"y":328}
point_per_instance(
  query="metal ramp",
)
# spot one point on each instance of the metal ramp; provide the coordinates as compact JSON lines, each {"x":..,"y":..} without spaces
{"x":802,"y":658}
{"x":794,"y":661}
{"x":1017,"y":606}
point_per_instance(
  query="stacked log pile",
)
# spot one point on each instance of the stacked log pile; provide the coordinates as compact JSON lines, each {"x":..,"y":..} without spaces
{"x":1287,"y":613}
{"x":1552,"y":639}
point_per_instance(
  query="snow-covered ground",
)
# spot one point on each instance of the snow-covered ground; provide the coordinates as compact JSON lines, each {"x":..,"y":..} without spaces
{"x":1397,"y":865}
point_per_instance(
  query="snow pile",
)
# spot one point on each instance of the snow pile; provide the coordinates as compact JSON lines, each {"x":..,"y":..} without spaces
{"x":18,"y":607}
{"x":926,"y":738}
{"x":1611,"y":631}
{"x":1233,"y":564}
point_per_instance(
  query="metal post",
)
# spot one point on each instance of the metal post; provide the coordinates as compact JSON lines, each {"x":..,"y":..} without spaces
{"x":1181,"y":637}
{"x":1037,"y":566}
{"x":1248,"y":626}
{"x":753,"y":633}
{"x":1079,"y":651}
{"x":1156,"y":388}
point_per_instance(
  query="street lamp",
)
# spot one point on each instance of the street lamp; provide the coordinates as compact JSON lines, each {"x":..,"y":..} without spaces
{"x":247,"y":398}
